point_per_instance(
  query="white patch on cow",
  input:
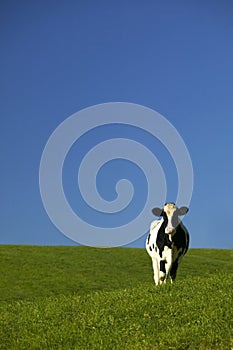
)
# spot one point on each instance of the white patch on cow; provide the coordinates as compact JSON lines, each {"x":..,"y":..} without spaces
{"x":170,"y":209}
{"x":154,"y":224}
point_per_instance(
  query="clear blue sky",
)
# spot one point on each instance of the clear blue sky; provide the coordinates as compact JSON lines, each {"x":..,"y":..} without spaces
{"x":172,"y":56}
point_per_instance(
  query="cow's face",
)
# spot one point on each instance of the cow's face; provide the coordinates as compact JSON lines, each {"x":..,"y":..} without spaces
{"x":170,"y":214}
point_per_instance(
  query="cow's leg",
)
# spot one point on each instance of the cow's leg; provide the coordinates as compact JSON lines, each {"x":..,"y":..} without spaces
{"x":168,"y":263}
{"x":174,"y":270}
{"x":165,"y":265}
{"x":162,"y":271}
{"x":156,"y":270}
{"x":175,"y":266}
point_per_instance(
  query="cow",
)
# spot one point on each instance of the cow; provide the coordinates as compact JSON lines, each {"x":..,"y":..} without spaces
{"x":167,"y":242}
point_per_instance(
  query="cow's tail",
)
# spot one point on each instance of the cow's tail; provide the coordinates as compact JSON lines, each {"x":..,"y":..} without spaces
{"x":187,"y":243}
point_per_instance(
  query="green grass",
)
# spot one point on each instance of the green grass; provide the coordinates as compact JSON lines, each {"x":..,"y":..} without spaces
{"x":86,"y":298}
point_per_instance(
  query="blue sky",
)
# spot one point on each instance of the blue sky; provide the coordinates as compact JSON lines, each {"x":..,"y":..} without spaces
{"x":172,"y":56}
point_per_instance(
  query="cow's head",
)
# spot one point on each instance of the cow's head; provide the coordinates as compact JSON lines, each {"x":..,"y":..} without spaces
{"x":170,"y":214}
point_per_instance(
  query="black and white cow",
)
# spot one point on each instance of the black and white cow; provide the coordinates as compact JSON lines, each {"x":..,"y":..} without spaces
{"x":167,"y":242}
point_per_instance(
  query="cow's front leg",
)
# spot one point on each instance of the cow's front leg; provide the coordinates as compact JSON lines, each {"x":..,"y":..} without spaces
{"x":162,"y":271}
{"x":168,"y":262}
{"x":165,"y":265}
{"x":156,"y":270}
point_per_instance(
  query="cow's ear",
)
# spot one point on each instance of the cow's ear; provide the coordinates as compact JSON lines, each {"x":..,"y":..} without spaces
{"x":183,"y":210}
{"x":157,"y":211}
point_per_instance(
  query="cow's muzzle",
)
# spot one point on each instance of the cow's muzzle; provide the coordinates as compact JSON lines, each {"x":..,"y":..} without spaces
{"x":169,"y":229}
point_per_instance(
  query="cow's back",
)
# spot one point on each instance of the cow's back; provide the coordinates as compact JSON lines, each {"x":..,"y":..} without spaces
{"x":151,"y":245}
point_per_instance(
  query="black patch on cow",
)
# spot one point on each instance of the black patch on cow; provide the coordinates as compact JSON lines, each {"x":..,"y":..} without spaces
{"x":150,"y":248}
{"x":153,"y":246}
{"x":181,"y":239}
{"x":163,"y":239}
{"x":148,"y":239}
{"x":165,"y":219}
{"x":162,"y":266}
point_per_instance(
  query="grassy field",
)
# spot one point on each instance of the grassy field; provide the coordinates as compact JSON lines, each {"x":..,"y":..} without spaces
{"x":85,"y":299}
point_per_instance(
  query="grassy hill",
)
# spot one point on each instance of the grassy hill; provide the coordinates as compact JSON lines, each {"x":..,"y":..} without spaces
{"x":88,"y":298}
